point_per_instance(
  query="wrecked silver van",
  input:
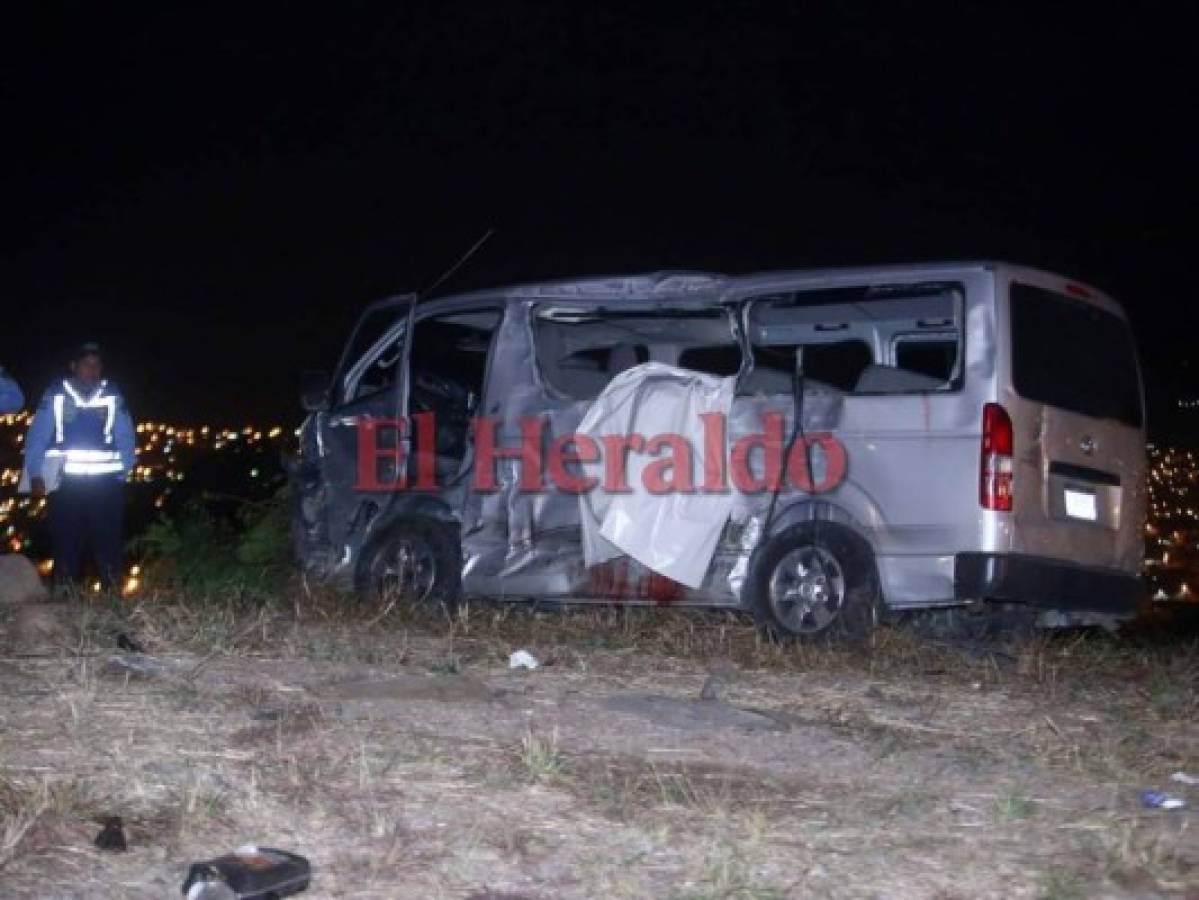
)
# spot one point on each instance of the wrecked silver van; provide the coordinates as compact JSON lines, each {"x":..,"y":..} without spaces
{"x":815,"y":447}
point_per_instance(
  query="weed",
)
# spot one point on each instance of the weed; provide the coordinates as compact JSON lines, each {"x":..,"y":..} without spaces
{"x":1012,"y":804}
{"x":19,"y":812}
{"x":1134,"y":857}
{"x":729,"y":872}
{"x":540,"y":756}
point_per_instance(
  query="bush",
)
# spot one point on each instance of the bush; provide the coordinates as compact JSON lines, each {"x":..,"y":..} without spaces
{"x":206,"y":547}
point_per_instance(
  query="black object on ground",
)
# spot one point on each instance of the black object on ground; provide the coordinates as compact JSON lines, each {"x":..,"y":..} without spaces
{"x":250,"y":873}
{"x":128,"y":644}
{"x":112,"y":835}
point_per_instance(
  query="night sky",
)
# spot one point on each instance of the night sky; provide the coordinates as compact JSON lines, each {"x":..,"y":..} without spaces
{"x":214,"y":194}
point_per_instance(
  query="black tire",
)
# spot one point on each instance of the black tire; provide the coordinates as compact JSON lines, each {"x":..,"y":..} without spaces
{"x":419,"y":558}
{"x":813,"y":581}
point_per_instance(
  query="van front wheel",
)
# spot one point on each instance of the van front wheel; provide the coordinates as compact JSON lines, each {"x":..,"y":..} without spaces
{"x":415,"y":561}
{"x":811,"y":581}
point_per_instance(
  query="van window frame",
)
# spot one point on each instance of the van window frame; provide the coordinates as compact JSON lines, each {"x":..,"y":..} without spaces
{"x":961,"y":301}
{"x":349,"y":370}
{"x":1066,"y":300}
{"x":550,"y":392}
{"x":932,"y":337}
{"x":392,"y":340}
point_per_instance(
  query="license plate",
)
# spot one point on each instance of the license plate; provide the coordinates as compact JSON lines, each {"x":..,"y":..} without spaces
{"x":1080,"y":505}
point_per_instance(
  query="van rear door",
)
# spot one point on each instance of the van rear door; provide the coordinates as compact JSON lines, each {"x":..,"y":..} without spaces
{"x":1078,"y":491}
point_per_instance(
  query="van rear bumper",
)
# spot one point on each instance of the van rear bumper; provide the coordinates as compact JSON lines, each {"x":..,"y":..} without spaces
{"x":1045,"y":583}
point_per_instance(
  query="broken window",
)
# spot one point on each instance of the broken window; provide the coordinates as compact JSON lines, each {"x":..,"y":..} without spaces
{"x":723,"y":360}
{"x":933,"y":357}
{"x":379,"y":373}
{"x":879,"y":339}
{"x":580,"y":349}
{"x":369,"y":362}
{"x":837,"y":364}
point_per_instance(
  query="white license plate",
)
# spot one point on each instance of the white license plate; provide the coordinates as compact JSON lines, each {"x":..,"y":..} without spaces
{"x":1080,"y":505}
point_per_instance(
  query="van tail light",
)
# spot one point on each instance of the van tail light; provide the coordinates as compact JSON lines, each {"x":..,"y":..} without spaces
{"x":995,"y":464}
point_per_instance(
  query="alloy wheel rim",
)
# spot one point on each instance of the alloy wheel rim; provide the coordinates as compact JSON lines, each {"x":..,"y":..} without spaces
{"x":807,"y":590}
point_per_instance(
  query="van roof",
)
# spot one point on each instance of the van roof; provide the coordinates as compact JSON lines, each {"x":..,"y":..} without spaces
{"x":699,"y":286}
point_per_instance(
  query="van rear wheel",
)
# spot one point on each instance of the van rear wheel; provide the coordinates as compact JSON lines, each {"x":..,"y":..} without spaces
{"x":813,"y":581}
{"x":415,"y":561}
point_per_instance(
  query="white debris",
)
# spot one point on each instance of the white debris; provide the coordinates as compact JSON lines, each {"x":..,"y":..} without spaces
{"x":522,"y":659}
{"x":1184,"y":778}
{"x":210,"y":890}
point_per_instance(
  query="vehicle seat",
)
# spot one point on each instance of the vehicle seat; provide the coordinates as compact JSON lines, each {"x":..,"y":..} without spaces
{"x":620,"y":358}
{"x":876,"y":379}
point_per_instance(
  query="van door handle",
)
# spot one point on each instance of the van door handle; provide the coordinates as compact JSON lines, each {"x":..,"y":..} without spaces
{"x":1087,"y":445}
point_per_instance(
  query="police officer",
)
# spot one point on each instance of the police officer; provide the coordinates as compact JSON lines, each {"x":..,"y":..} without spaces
{"x":79,"y":449}
{"x":11,"y":398}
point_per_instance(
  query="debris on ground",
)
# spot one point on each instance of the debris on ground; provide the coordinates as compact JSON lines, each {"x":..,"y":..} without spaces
{"x":248,"y":873}
{"x":129,"y":644}
{"x":1158,"y":800}
{"x":522,"y":659}
{"x":112,"y":836}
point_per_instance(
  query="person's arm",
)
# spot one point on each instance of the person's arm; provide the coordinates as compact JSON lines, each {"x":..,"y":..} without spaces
{"x":37,"y":441}
{"x":126,"y":439}
{"x":11,"y":398}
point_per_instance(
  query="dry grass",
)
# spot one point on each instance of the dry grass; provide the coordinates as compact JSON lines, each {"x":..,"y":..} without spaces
{"x":911,"y":766}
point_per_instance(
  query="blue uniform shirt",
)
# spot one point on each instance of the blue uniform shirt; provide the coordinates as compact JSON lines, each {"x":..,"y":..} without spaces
{"x":89,"y":433}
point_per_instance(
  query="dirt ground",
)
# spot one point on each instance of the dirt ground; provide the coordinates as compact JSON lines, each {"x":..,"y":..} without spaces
{"x":653,"y":754}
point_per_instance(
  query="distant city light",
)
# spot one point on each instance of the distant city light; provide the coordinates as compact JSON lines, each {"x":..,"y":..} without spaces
{"x":163,"y":455}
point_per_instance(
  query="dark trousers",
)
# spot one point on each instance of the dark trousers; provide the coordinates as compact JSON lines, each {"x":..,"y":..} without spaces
{"x":86,"y":513}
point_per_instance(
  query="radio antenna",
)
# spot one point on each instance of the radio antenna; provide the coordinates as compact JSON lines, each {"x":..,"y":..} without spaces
{"x":448,"y":273}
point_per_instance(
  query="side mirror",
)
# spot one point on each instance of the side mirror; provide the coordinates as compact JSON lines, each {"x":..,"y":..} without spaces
{"x":314,"y":391}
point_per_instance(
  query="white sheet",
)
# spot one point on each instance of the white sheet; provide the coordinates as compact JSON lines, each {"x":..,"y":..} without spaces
{"x":674,"y":534}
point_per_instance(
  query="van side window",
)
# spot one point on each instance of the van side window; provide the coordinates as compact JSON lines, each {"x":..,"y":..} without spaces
{"x":839,"y":364}
{"x":380,"y":374}
{"x":582,"y":348}
{"x":370,"y":361}
{"x":722,"y":360}
{"x":848,"y":333}
{"x":605,"y":359}
{"x":935,"y":359}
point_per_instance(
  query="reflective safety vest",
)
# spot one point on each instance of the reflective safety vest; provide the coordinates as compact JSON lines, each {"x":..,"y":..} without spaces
{"x":84,"y":431}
